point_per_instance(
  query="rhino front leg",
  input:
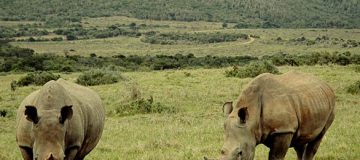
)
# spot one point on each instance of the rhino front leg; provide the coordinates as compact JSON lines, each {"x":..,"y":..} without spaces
{"x":26,"y":153}
{"x":71,"y":153}
{"x":280,"y":143}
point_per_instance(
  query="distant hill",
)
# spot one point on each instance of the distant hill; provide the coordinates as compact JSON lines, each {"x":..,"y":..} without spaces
{"x":247,"y":13}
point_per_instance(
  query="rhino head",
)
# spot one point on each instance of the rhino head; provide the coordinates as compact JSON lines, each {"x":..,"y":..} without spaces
{"x":239,"y":141}
{"x":48,"y":132}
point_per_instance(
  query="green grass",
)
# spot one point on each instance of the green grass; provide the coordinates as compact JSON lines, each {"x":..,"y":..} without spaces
{"x":196,"y":129}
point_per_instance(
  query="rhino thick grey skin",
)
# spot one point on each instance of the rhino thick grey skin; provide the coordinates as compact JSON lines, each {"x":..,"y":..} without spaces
{"x":62,"y":120}
{"x":279,"y":111}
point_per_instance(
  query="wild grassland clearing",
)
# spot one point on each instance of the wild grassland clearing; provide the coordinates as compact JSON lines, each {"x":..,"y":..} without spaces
{"x":196,"y":129}
{"x":267,"y":43}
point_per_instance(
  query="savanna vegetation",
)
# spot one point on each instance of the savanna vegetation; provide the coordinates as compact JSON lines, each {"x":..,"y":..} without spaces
{"x":195,"y":128}
{"x":164,"y":68}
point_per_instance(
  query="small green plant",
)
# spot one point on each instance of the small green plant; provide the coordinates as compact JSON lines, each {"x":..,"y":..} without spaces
{"x":3,"y":113}
{"x":357,"y":68}
{"x":252,"y":70}
{"x":97,"y":77}
{"x":310,"y":42}
{"x":7,"y":111}
{"x":187,"y":74}
{"x":354,"y":88}
{"x":142,"y":106}
{"x":37,"y":78}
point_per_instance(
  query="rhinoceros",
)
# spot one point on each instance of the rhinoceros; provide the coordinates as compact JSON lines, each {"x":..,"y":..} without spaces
{"x":62,"y":120}
{"x":279,"y":111}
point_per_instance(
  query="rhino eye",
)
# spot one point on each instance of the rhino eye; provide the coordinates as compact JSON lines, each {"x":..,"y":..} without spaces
{"x":222,"y":152}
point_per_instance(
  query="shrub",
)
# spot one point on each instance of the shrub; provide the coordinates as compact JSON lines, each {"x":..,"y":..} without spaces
{"x":3,"y":112}
{"x":354,"y":88}
{"x":252,"y":70}
{"x":357,"y":68}
{"x":8,"y":111}
{"x":97,"y":77}
{"x":37,"y":78}
{"x":224,"y":25}
{"x":343,"y":59}
{"x":310,"y":42}
{"x":143,"y":106}
{"x":67,"y":68}
{"x":71,"y":37}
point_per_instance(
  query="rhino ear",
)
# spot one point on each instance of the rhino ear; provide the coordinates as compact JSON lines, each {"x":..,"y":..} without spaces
{"x":31,"y":114}
{"x":227,"y":108}
{"x":66,"y":114}
{"x":243,"y":114}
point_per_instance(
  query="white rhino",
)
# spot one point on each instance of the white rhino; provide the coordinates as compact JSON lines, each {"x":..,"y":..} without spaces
{"x":62,"y":120}
{"x":279,"y":111}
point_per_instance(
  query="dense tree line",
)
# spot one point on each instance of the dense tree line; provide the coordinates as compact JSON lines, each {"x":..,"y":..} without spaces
{"x":247,"y":13}
{"x":317,"y":58}
{"x":350,"y":43}
{"x":111,"y":31}
{"x":200,"y":37}
{"x":7,"y":32}
{"x":12,"y":60}
{"x":22,"y":59}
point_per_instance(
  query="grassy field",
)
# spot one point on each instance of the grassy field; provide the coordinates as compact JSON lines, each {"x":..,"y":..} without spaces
{"x":196,"y":129}
{"x":266,"y":44}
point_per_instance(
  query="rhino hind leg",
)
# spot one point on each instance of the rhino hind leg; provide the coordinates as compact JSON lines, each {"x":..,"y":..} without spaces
{"x":279,"y":145}
{"x":300,"y":151}
{"x":313,"y":146}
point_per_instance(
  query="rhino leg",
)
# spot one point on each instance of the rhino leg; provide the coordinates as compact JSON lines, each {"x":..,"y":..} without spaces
{"x":279,"y":145}
{"x":313,"y":146}
{"x":26,"y":153}
{"x":71,"y":153}
{"x":300,"y":151}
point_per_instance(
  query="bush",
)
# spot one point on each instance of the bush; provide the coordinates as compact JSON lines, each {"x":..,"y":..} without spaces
{"x":7,"y":112}
{"x":354,"y":88}
{"x":3,"y":112}
{"x":143,"y":106}
{"x":357,"y":68}
{"x":71,"y":37}
{"x":97,"y":77}
{"x":36,"y":78}
{"x":252,"y":70}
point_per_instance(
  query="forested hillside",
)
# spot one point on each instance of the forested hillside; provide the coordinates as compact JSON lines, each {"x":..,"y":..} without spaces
{"x":246,"y":13}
